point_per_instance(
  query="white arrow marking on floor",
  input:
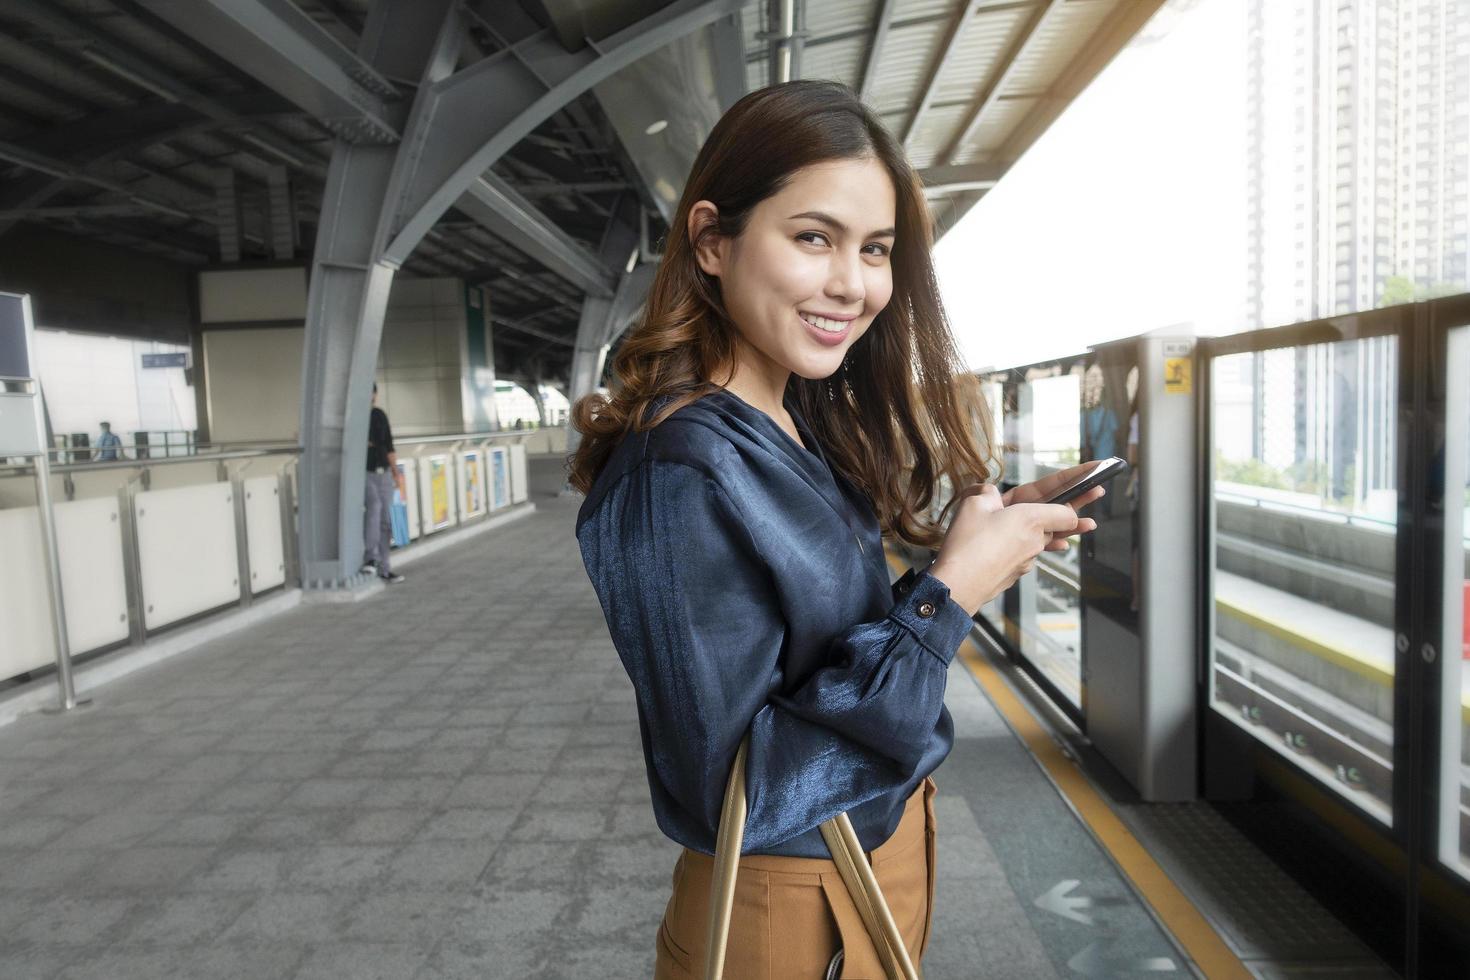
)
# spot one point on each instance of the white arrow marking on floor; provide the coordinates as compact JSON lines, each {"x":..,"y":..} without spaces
{"x":1092,"y":963}
{"x":1057,"y":900}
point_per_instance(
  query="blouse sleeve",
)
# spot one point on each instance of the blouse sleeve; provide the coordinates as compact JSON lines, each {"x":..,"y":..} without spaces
{"x":697,"y":621}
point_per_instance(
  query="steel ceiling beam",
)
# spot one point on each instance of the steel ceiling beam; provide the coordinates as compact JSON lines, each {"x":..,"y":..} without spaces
{"x":61,"y":169}
{"x":506,"y":214}
{"x":288,"y":52}
{"x":75,"y":211}
{"x":462,"y":123}
{"x":576,"y":187}
{"x":951,"y":40}
{"x":875,"y":49}
{"x":525,"y":328}
{"x":135,"y":127}
{"x":1002,"y":73}
{"x":727,"y":39}
{"x":75,"y":35}
{"x":964,"y":177}
{"x":1120,"y":27}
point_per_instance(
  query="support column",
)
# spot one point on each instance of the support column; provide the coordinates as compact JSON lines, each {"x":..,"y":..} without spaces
{"x":380,"y":203}
{"x":348,"y":299}
{"x":227,"y":215}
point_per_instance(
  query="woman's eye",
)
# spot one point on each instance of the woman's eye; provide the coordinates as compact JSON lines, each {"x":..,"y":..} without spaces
{"x":881,"y":249}
{"x":807,"y":237}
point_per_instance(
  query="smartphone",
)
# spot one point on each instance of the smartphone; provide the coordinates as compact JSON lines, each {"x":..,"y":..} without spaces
{"x":1104,"y":471}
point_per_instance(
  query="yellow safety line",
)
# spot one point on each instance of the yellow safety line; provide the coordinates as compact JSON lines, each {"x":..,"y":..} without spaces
{"x":1174,"y":909}
{"x":1346,"y":659}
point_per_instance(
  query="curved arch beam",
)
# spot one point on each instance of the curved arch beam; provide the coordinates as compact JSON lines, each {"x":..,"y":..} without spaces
{"x":463,"y":123}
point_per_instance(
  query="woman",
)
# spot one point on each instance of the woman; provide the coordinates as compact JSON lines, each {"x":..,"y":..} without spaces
{"x":792,"y":394}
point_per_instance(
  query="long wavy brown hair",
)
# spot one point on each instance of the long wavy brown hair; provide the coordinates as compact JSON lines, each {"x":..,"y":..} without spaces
{"x":906,"y":414}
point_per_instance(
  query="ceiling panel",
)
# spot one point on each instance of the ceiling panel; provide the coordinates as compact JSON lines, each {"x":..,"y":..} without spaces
{"x":976,"y":53}
{"x":904,"y":65}
{"x":838,"y":60}
{"x":913,"y":9}
{"x":934,"y":133}
{"x":994,"y":129}
{"x":837,"y":18}
{"x":1057,"y":42}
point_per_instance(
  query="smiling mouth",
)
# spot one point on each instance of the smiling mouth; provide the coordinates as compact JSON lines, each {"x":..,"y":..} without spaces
{"x":824,"y":324}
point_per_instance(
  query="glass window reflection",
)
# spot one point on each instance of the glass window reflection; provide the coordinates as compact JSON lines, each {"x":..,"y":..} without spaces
{"x":1305,"y":510}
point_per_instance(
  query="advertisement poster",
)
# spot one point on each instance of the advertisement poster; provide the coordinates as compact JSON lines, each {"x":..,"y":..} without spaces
{"x":499,"y":478}
{"x":439,"y":491}
{"x":474,"y":484}
{"x":400,"y":511}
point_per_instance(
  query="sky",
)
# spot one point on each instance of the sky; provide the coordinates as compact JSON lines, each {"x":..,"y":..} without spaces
{"x":1126,"y":216}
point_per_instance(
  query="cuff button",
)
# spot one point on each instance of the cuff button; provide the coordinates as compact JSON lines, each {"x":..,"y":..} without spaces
{"x":926,"y":609}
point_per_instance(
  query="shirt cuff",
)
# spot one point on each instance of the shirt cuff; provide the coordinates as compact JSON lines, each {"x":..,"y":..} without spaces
{"x":923,"y":605}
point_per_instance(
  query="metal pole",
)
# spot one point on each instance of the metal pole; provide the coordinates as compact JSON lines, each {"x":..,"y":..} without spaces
{"x":242,"y":541}
{"x":53,"y":582}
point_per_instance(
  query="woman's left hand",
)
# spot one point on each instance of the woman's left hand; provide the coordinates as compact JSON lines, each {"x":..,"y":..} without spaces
{"x":1040,"y":491}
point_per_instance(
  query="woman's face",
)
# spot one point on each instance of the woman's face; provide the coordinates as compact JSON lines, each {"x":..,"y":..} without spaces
{"x":812,"y":268}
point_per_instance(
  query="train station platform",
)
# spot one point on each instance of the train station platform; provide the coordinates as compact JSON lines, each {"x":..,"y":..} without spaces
{"x":446,"y":781}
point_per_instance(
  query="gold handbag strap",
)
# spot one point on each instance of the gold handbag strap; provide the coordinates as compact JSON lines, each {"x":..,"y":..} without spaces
{"x":727,"y":861}
{"x":847,"y":854}
{"x":862,"y":885}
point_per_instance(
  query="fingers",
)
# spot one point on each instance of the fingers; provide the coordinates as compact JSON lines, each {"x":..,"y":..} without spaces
{"x":1060,"y":541}
{"x":1096,"y":493}
{"x":990,"y":498}
{"x":1058,"y":518}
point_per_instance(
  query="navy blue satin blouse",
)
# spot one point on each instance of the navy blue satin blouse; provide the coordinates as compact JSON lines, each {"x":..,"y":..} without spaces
{"x":745,"y":588}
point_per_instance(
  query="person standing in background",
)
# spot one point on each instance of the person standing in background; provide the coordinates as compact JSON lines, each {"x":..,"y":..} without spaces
{"x":382,"y":474}
{"x":108,"y":444}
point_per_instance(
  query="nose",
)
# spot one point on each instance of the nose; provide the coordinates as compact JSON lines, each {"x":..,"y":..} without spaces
{"x":845,"y":277}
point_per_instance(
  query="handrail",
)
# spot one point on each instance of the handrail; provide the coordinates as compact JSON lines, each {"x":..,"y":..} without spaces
{"x":96,"y":466}
{"x":470,"y":436}
{"x":1304,"y":510}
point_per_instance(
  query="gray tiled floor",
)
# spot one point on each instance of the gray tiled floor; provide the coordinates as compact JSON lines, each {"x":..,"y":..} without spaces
{"x":442,"y":782}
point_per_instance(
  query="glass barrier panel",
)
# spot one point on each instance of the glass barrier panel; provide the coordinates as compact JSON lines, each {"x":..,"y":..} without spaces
{"x":1454,"y":795}
{"x":994,"y":392}
{"x":1048,"y":433}
{"x":1304,"y":571}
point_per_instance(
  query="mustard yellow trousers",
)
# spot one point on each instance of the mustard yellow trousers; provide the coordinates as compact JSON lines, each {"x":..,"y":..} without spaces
{"x":792,"y":914}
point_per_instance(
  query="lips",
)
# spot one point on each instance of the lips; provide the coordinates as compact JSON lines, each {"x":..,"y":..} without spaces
{"x":829,"y":324}
{"x":826,"y":337}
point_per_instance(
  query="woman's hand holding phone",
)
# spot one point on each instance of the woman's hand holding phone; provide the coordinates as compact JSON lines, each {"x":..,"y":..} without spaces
{"x":990,"y":545}
{"x":993,"y":540}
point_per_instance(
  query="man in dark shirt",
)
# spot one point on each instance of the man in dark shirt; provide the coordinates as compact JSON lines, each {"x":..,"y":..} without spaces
{"x":382,"y":474}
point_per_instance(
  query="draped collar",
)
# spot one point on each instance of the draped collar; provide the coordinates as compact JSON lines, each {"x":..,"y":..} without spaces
{"x":809,"y":461}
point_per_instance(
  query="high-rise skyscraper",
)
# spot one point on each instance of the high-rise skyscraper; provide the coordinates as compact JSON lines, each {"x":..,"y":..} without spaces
{"x":1357,"y":128}
{"x":1358,"y":154}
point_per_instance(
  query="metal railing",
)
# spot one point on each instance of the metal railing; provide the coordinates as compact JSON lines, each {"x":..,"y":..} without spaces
{"x":135,"y":475}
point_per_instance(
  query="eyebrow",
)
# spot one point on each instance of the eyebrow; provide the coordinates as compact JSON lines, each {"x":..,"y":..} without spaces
{"x":827,"y":219}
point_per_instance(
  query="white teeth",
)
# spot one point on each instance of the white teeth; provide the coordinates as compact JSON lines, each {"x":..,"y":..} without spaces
{"x":822,"y":323}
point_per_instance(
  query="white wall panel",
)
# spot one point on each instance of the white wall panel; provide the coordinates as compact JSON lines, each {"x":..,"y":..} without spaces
{"x":253,"y":380}
{"x":518,"y":491}
{"x":263,"y":533}
{"x":89,"y":540}
{"x":187,"y":552}
{"x":25,"y":611}
{"x":252,"y":295}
